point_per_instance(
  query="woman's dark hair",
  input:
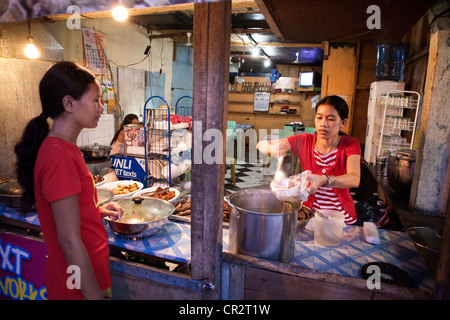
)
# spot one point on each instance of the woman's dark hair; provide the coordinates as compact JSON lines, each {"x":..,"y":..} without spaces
{"x":128,"y":120}
{"x":62,"y":79}
{"x":338,"y":103}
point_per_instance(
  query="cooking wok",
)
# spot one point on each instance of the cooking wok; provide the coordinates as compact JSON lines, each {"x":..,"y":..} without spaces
{"x":11,"y":194}
{"x":95,"y":151}
{"x":142,"y":217}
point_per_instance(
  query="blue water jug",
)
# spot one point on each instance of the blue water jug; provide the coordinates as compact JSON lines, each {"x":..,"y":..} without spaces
{"x":390,"y":61}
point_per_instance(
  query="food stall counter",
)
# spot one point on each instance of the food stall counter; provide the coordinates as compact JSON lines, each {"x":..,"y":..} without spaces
{"x":173,"y":243}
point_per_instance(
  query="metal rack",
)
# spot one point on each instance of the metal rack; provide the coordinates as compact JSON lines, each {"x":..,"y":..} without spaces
{"x":177,"y":111}
{"x":393,"y":120}
{"x":158,"y":132}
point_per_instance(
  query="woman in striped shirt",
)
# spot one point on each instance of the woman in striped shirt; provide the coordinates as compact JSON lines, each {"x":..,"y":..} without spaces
{"x":334,"y":159}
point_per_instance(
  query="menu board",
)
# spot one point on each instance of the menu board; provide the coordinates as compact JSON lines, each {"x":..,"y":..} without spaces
{"x":94,"y":44}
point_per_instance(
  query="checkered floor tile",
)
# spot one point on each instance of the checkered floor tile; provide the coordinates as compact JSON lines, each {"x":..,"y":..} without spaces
{"x":247,"y":176}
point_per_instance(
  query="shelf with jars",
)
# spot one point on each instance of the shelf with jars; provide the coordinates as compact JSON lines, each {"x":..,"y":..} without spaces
{"x":395,"y":119}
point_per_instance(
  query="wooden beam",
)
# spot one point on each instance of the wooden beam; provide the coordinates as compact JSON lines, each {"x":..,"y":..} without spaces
{"x":212,"y":25}
{"x":271,"y":20}
{"x":236,"y":4}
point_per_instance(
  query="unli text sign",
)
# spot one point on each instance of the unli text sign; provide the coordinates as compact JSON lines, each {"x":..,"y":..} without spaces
{"x":22,"y":265}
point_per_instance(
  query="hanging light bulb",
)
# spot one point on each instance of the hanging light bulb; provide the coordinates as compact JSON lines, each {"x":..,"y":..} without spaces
{"x":30,"y":50}
{"x":120,"y":13}
{"x":296,"y":59}
{"x":267,"y":63}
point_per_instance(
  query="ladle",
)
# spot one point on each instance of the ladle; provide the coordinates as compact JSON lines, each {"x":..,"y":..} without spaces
{"x":280,"y":176}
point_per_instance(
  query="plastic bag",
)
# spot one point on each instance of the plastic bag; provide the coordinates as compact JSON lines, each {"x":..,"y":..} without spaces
{"x":297,"y":189}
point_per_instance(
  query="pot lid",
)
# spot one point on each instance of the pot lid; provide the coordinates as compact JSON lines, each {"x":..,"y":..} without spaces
{"x":104,"y":196}
{"x":12,"y":188}
{"x":94,"y":147}
{"x":140,"y":210}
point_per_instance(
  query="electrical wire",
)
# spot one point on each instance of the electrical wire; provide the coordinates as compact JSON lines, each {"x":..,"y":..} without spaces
{"x":131,"y":64}
{"x":162,"y":65}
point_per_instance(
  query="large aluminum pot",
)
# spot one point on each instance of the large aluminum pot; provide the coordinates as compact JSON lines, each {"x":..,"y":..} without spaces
{"x":11,"y":194}
{"x":400,"y":170}
{"x":261,"y":225}
{"x":142,"y":217}
{"x":95,"y":151}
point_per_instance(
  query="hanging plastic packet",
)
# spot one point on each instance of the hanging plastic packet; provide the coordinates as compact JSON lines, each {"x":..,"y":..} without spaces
{"x":297,"y":188}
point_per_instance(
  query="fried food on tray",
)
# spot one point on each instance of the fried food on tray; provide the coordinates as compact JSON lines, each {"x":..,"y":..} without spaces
{"x":183,"y":208}
{"x":166,"y":195}
{"x":125,"y":188}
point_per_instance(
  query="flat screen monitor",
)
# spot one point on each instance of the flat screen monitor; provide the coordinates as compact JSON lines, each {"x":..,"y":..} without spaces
{"x":306,"y":79}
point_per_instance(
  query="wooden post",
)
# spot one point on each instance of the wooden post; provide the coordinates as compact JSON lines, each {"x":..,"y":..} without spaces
{"x":212,"y":27}
{"x":442,"y":278}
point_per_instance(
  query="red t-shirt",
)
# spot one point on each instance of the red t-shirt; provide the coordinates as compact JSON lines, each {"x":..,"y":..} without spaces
{"x":61,"y":171}
{"x":302,"y":146}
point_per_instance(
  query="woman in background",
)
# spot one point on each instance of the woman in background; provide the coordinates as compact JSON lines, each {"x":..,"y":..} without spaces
{"x":54,"y":175}
{"x":118,"y":139}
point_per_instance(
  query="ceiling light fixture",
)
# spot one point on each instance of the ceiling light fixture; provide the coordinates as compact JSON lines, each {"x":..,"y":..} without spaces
{"x":30,"y":50}
{"x":255,"y":51}
{"x":267,"y":62}
{"x":189,"y":43}
{"x":120,"y":13}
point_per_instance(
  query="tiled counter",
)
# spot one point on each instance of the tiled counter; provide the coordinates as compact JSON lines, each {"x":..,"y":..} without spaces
{"x":173,"y":243}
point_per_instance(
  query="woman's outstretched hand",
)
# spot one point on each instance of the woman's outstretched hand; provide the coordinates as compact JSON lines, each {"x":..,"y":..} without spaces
{"x":113,"y":210}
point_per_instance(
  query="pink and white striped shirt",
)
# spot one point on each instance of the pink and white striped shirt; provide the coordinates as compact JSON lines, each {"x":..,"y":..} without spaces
{"x":325,"y":197}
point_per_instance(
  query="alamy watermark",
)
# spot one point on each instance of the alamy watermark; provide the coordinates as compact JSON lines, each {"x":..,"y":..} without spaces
{"x":373,"y":22}
{"x":74,"y":280}
{"x":74,"y":20}
{"x":374,"y":280}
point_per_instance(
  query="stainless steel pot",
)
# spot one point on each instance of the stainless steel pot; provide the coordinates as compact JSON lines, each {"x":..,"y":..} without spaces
{"x":262,"y":226}
{"x":143,"y":217}
{"x":11,"y":194}
{"x":400,"y":170}
{"x":95,"y":151}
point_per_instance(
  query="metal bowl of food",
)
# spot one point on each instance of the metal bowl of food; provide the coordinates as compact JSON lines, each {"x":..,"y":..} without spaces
{"x":143,"y":217}
{"x":95,"y":151}
{"x":11,"y":194}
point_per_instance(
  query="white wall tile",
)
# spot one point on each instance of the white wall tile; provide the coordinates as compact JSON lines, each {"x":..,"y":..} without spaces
{"x":102,"y":135}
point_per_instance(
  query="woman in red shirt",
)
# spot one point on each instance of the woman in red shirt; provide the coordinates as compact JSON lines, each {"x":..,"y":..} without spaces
{"x":333,"y":159}
{"x":54,"y":175}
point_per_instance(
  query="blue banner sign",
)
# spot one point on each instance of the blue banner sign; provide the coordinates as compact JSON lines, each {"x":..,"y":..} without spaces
{"x":128,"y":168}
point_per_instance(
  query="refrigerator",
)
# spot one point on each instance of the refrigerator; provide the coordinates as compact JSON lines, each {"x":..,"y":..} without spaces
{"x":375,"y":111}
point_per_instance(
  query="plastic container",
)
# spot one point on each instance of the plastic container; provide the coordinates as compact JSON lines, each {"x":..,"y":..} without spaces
{"x":390,"y":61}
{"x":328,"y":227}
